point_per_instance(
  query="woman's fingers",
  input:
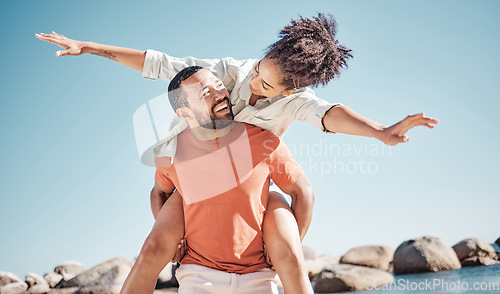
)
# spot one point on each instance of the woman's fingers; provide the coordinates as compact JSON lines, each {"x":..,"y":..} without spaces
{"x":62,"y":52}
{"x":47,"y":37}
{"x":397,"y":132}
{"x":56,"y":34}
{"x":412,"y":121}
{"x":421,"y":119}
{"x":51,"y":40}
{"x":56,"y":41}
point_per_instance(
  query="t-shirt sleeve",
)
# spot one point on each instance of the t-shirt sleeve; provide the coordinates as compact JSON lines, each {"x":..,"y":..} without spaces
{"x":285,"y":170}
{"x":312,"y":109}
{"x":162,"y":177}
{"x":158,"y":65}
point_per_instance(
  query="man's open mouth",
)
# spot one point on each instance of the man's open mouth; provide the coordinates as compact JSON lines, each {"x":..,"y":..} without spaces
{"x":224,"y":105}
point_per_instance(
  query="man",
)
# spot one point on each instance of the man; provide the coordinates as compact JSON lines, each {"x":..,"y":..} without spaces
{"x":222,"y":169}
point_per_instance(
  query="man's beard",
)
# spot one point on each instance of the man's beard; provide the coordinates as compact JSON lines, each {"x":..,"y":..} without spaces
{"x":216,"y":122}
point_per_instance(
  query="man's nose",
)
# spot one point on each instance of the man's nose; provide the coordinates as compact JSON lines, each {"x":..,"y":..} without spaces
{"x":218,"y":95}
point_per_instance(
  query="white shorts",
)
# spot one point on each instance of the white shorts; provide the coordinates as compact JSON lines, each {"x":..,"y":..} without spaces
{"x":196,"y":279}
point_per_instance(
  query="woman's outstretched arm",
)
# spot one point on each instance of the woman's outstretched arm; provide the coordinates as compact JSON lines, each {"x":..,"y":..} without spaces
{"x":130,"y":57}
{"x":342,"y":119}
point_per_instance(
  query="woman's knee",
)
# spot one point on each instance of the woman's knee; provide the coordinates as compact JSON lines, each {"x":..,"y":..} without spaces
{"x":276,"y":201}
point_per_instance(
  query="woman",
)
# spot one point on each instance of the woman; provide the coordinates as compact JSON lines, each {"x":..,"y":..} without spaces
{"x":270,"y":93}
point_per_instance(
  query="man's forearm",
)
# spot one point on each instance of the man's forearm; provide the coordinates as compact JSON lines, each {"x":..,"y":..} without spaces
{"x":342,"y":119}
{"x":130,"y":57}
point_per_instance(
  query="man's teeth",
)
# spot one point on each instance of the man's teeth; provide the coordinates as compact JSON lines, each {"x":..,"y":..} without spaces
{"x":220,"y":106}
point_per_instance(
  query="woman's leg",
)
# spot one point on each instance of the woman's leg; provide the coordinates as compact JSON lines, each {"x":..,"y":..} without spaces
{"x":158,"y":249}
{"x":281,"y":236}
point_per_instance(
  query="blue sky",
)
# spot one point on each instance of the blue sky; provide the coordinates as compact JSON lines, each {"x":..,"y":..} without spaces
{"x":72,"y":186}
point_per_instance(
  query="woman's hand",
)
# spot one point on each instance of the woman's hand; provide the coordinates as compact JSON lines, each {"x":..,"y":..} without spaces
{"x":130,"y":57}
{"x":71,"y":47}
{"x":396,"y":133}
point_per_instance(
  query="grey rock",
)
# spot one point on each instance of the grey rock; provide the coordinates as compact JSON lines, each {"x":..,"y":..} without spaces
{"x":107,"y":277}
{"x":478,"y":260}
{"x":34,"y":279}
{"x":474,"y":247}
{"x":53,"y":279}
{"x":70,"y":270}
{"x":315,"y":266}
{"x":346,"y":277}
{"x":8,"y":278}
{"x":167,"y":276}
{"x":379,"y":257}
{"x":309,"y":253}
{"x":12,"y":288}
{"x":424,"y":254}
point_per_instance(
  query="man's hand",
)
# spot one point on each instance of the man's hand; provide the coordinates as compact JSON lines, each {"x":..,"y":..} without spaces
{"x":71,"y":47}
{"x":181,"y":251}
{"x":396,"y":133}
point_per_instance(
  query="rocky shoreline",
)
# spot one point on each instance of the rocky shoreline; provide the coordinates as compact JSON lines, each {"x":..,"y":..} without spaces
{"x":358,"y":269}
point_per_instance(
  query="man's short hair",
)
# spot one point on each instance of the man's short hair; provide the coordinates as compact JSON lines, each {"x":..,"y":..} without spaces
{"x":176,"y":96}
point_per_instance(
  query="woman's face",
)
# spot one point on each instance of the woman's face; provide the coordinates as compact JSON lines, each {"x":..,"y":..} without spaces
{"x":266,"y":79}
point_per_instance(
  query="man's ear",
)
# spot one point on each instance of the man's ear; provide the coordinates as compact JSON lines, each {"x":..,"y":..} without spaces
{"x":185,"y":113}
{"x":288,"y":92}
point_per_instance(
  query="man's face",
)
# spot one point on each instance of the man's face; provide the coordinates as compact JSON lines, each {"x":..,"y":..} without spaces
{"x":208,"y":99}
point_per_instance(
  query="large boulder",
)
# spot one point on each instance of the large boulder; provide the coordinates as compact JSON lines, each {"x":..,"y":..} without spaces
{"x":33,"y":279}
{"x":424,"y":254}
{"x":379,"y":257}
{"x":475,"y":251}
{"x":309,"y":253}
{"x":478,"y":260}
{"x":70,"y":269}
{"x":38,"y":289}
{"x":315,"y":266}
{"x":53,"y":279}
{"x":107,"y":277}
{"x":8,"y":278}
{"x":13,"y":288}
{"x":346,"y":277}
{"x":473,"y":247}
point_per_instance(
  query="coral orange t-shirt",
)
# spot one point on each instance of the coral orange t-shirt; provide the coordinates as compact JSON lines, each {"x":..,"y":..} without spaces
{"x":224,"y":184}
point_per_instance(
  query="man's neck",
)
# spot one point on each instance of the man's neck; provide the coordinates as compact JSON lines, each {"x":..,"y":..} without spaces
{"x":204,"y":134}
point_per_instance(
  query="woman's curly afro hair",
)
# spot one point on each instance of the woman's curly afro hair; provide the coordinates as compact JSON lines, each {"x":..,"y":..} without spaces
{"x":307,"y":52}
